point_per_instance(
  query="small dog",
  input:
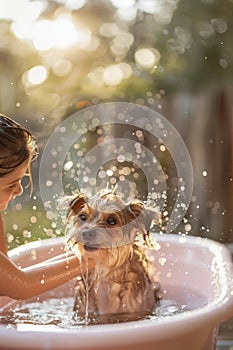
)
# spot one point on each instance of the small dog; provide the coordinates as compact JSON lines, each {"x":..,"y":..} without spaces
{"x":116,"y":235}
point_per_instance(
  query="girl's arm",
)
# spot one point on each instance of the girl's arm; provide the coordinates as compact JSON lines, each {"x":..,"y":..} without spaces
{"x":3,"y":246}
{"x":29,"y":282}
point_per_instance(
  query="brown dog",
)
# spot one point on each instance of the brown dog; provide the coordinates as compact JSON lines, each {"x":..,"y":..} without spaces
{"x":116,"y":235}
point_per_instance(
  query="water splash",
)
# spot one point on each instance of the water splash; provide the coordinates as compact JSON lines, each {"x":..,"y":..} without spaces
{"x":150,"y":161}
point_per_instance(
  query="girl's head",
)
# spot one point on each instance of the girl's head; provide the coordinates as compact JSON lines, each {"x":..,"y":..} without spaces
{"x":17,"y":150}
{"x":16,"y":145}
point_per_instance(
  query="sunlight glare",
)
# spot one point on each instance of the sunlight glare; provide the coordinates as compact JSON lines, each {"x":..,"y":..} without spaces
{"x":73,"y":4}
{"x":128,"y":15}
{"x":45,"y":34}
{"x":123,"y":3}
{"x":150,"y":6}
{"x":63,"y":33}
{"x":21,"y":10}
{"x":60,"y":33}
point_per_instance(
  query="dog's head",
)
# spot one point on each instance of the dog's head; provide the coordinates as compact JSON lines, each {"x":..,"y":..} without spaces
{"x":105,"y":221}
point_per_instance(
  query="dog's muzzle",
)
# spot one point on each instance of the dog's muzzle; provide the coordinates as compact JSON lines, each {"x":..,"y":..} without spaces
{"x":88,"y":236}
{"x":91,"y":239}
{"x":85,"y":237}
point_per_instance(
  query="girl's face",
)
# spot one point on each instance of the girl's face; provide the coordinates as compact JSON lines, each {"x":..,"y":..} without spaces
{"x":10,"y":185}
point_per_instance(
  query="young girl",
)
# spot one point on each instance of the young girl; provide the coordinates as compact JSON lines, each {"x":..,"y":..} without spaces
{"x":17,"y":150}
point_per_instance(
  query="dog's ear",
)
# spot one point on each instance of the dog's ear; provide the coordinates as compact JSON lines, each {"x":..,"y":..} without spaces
{"x":77,"y":203}
{"x":72,"y":204}
{"x":152,"y":215}
{"x":147,"y":214}
{"x":136,"y":207}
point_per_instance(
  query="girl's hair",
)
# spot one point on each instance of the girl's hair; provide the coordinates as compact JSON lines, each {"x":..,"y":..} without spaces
{"x":16,"y":145}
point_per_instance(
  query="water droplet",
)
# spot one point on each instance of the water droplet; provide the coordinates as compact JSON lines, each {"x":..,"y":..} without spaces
{"x":121,"y":158}
{"x":188,"y":227}
{"x":68,"y":165}
{"x":223,"y":63}
{"x":33,"y":219}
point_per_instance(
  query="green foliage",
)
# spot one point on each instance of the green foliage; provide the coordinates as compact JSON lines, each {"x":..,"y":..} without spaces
{"x":26,"y":225}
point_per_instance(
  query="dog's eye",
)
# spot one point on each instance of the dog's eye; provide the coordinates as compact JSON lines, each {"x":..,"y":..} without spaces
{"x":111,"y":220}
{"x":82,"y":217}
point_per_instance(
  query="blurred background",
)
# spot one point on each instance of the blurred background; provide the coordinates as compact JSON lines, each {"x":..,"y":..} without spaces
{"x":173,"y":56}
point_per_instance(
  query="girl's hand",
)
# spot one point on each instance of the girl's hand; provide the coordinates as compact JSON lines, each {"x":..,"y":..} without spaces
{"x":36,"y":279}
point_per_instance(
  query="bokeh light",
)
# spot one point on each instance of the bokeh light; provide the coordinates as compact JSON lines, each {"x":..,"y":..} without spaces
{"x":35,"y":76}
{"x":62,"y":67}
{"x":147,"y":57}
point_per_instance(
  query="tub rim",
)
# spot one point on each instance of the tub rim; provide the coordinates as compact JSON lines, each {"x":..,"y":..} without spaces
{"x":205,"y":317}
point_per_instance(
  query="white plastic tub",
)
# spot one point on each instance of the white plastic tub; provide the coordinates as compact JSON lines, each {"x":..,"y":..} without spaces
{"x":194,"y":271}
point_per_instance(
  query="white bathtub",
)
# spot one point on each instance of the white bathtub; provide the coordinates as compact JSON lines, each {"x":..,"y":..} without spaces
{"x":190,"y":268}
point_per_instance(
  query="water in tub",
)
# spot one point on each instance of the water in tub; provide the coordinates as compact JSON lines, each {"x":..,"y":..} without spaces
{"x":58,"y":312}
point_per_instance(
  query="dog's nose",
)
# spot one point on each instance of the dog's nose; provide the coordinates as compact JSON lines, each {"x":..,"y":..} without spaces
{"x":88,"y":234}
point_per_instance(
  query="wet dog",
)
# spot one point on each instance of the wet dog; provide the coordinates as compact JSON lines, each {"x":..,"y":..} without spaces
{"x":116,"y":235}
